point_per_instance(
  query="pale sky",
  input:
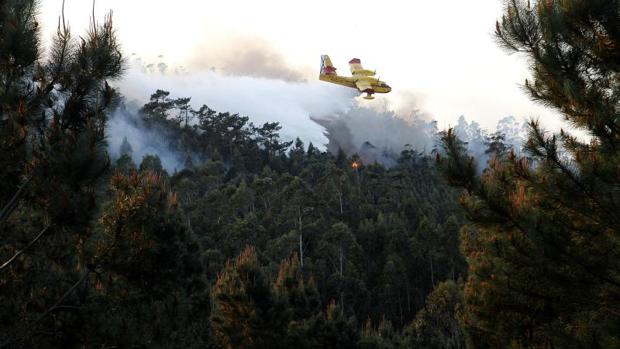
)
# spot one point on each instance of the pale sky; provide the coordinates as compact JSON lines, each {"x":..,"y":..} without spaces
{"x":440,"y":53}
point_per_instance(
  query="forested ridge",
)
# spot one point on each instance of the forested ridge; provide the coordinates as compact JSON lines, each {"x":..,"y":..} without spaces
{"x":259,"y":242}
{"x":362,"y":241}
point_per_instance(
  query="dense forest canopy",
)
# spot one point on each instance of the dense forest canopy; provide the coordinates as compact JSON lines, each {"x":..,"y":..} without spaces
{"x":260,"y":242}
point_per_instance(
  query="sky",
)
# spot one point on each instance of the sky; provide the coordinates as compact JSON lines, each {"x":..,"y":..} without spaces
{"x":439,"y":56}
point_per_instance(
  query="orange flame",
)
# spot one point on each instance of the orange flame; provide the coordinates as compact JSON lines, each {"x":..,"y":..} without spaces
{"x":355,"y":164}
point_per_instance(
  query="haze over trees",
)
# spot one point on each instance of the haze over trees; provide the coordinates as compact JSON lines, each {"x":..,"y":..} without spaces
{"x":260,"y":242}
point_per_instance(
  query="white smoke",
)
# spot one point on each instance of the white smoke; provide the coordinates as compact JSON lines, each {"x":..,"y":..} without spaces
{"x":261,"y":99}
{"x":291,"y":103}
{"x":126,"y":124}
{"x":327,"y":115}
{"x":513,"y":130}
{"x":378,"y":135}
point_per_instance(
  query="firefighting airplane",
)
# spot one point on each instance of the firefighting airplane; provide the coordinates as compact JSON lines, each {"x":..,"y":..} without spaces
{"x":361,"y":79}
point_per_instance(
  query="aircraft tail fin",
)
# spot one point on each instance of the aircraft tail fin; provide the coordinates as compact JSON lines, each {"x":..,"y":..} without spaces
{"x":327,"y":68}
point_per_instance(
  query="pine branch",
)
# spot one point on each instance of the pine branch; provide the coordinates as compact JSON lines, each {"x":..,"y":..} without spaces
{"x":58,"y":305}
{"x":10,"y":206}
{"x":20,"y":252}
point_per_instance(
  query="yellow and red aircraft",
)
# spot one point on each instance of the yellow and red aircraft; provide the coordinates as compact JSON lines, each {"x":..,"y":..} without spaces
{"x":361,"y":79}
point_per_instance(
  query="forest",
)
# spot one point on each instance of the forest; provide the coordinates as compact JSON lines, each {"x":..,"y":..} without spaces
{"x":262,"y":242}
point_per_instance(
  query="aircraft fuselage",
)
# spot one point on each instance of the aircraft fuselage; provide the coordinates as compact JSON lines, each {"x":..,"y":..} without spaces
{"x":349,"y":81}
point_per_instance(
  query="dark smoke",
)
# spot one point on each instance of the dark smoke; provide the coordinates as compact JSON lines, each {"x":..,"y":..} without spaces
{"x":245,"y":56}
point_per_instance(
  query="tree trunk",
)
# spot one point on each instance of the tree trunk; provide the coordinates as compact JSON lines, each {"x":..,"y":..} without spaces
{"x":340,"y":281}
{"x":432,"y":273}
{"x":301,"y":240}
{"x":340,"y":250}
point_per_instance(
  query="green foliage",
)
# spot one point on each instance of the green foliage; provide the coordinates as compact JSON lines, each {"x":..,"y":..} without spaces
{"x":542,"y":246}
{"x":370,"y":241}
{"x":159,"y":105}
{"x":459,"y":168}
{"x":496,"y":146}
{"x":144,"y":235}
{"x":152,"y":163}
{"x":437,"y":324}
{"x":209,"y":135}
{"x":250,"y":313}
{"x":375,"y":240}
{"x":242,"y":303}
{"x":125,"y":164}
{"x":148,"y":264}
{"x":95,"y":255}
{"x":52,"y":157}
{"x":383,"y":337}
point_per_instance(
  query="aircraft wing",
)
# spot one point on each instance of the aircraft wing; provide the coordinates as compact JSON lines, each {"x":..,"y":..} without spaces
{"x":356,"y":68}
{"x":364,"y":86}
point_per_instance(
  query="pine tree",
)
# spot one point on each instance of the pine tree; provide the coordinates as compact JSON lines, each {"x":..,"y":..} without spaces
{"x":185,"y":114}
{"x":543,"y":245}
{"x":53,"y":114}
{"x":148,"y":266}
{"x":496,"y":145}
{"x":151,"y":163}
{"x":242,"y":299}
{"x":437,"y":324}
{"x":382,"y":337}
{"x":333,"y":329}
{"x":126,"y":148}
{"x":188,"y":163}
{"x":159,"y":106}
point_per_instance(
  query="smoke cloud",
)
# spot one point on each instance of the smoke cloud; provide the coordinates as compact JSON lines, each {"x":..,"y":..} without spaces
{"x":261,"y":99}
{"x":378,"y":135}
{"x":244,"y":56}
{"x":327,"y":115}
{"x":126,"y":124}
{"x":513,"y":131}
